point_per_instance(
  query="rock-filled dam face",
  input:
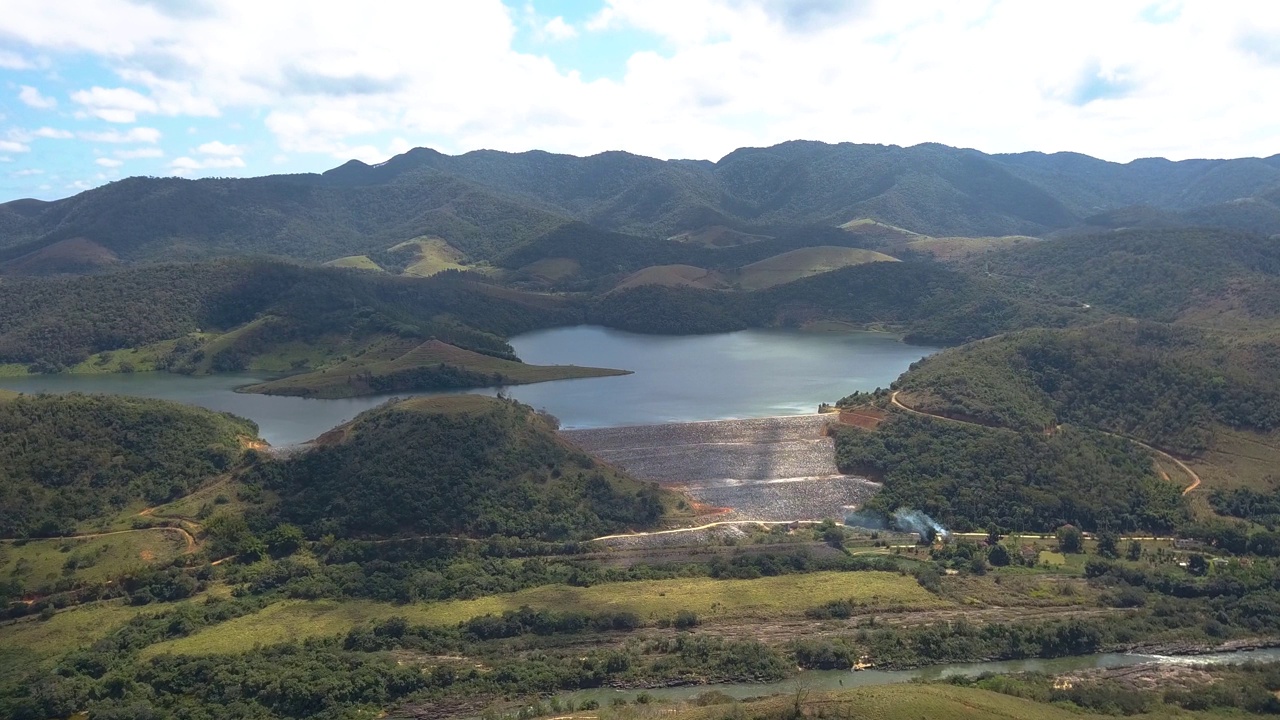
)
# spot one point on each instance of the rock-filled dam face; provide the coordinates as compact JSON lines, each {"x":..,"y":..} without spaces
{"x":778,"y":468}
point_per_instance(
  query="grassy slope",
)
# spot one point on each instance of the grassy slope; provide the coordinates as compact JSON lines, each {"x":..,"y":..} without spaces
{"x":43,"y":562}
{"x":431,"y":255}
{"x":652,"y":600}
{"x":28,"y":642}
{"x":673,"y":276}
{"x":359,"y":262}
{"x":802,"y":263}
{"x":902,"y":702}
{"x":348,"y":379}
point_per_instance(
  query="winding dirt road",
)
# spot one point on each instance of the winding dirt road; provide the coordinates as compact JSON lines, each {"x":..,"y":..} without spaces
{"x":1195,"y":478}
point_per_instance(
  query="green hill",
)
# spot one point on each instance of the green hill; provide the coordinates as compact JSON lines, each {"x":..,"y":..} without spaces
{"x":1156,"y":274}
{"x":461,"y":464}
{"x":236,"y":314}
{"x":433,"y":365}
{"x":70,"y":458}
{"x":1169,"y":386}
{"x":929,"y":303}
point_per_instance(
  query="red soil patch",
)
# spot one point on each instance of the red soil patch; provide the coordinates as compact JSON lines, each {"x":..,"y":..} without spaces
{"x":867,"y":418}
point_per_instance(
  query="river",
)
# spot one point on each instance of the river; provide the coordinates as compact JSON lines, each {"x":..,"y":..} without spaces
{"x":819,"y":680}
{"x":752,"y":373}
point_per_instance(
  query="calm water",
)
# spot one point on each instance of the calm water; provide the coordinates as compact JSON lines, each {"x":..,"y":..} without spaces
{"x":753,"y":373}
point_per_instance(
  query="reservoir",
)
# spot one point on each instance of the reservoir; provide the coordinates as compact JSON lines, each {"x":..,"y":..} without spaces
{"x":751,"y":373}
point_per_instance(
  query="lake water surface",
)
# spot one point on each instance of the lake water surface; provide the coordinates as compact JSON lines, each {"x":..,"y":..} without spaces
{"x":752,"y":373}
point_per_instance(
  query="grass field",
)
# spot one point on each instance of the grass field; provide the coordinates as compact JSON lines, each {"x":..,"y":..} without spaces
{"x":430,"y":255}
{"x":359,"y":262}
{"x":882,"y":702}
{"x":956,"y":248}
{"x":39,"y":563}
{"x":352,"y":377}
{"x":553,"y":269}
{"x":802,"y":263}
{"x":711,"y":599}
{"x":30,"y":642}
{"x":140,"y":359}
{"x":674,"y":276}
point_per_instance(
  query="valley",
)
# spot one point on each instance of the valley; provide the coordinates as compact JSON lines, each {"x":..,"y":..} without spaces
{"x":512,"y":449}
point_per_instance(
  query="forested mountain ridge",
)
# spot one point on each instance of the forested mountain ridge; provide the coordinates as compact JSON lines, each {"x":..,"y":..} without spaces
{"x":487,"y":202}
{"x":241,"y":308}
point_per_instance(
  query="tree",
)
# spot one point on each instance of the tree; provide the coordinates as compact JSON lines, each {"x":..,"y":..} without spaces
{"x":1135,"y":550}
{"x":1070,"y":539}
{"x":1108,"y":541}
{"x":998,"y":555}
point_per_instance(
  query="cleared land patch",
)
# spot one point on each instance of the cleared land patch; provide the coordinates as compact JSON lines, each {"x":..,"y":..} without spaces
{"x":652,"y":600}
{"x":87,"y":559}
{"x":429,"y":366}
{"x":430,"y":255}
{"x":958,"y":248}
{"x":674,"y":276}
{"x":553,"y":269}
{"x":359,"y":262}
{"x":776,"y":469}
{"x":802,"y":263}
{"x":716,"y":236}
{"x":30,"y":641}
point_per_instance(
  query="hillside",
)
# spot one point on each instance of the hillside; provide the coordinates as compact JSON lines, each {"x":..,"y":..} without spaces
{"x":1156,"y":274}
{"x":433,"y":365}
{"x":802,"y":263}
{"x":931,"y":304}
{"x":246,"y":313}
{"x":70,"y":458}
{"x":486,"y":203}
{"x":461,"y":464}
{"x":1169,"y":386}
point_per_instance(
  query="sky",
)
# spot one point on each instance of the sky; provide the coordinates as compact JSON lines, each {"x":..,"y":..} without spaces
{"x":95,"y":90}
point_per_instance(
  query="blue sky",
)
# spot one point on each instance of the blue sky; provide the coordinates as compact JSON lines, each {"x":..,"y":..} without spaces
{"x":95,"y":91}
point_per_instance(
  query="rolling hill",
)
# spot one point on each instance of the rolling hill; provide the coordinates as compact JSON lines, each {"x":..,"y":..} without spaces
{"x":70,"y":458}
{"x":236,"y":314}
{"x":461,"y":464}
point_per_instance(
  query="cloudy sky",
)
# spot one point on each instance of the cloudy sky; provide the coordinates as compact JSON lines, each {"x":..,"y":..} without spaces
{"x":95,"y":90}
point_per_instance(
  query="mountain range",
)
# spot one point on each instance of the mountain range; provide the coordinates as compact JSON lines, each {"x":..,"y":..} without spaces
{"x":486,"y":203}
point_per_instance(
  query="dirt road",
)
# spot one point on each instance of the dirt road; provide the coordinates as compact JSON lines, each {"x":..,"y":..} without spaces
{"x":1194,"y":477}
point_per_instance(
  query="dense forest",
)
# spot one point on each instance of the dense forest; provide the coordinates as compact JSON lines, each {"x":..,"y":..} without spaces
{"x":1162,"y":384}
{"x":455,"y":465}
{"x":972,"y":478}
{"x":1155,"y":274}
{"x":59,"y":322}
{"x":931,"y":303}
{"x":68,"y":458}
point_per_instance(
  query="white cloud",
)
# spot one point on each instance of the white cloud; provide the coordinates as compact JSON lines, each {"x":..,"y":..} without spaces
{"x":1113,"y":78}
{"x":27,"y":172}
{"x":134,"y":135}
{"x":117,"y":105}
{"x":219,"y":148}
{"x":139,"y":153}
{"x":53,"y":133}
{"x":557,"y":29}
{"x":32,"y":97}
{"x":108,"y":162}
{"x":14,"y":61}
{"x":5,"y":158}
{"x":13,"y":146}
{"x":188,"y":165}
